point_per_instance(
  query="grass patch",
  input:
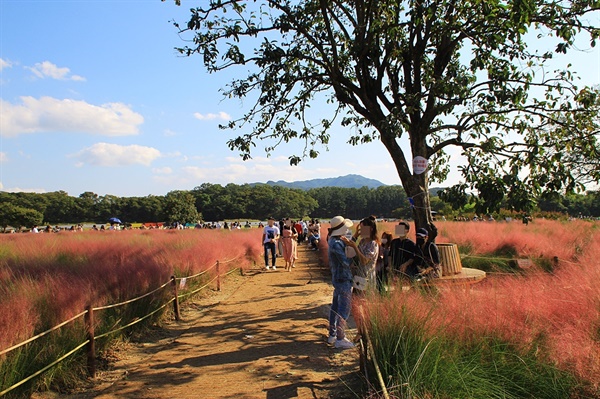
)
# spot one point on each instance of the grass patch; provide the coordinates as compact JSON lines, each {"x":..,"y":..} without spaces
{"x":46,"y":279}
{"x":420,"y":360}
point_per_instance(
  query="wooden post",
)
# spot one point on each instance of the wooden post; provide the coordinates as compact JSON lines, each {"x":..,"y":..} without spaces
{"x":218,"y":277}
{"x":176,"y":301}
{"x":91,"y":347}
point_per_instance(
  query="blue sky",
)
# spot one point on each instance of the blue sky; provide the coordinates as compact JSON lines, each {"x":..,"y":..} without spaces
{"x":93,"y":97}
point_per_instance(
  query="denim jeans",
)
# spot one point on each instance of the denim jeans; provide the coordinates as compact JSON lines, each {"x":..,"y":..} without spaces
{"x":270,"y":246}
{"x":340,"y":308}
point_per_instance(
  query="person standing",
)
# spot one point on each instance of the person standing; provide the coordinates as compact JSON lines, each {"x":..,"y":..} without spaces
{"x":288,"y":238}
{"x":298,"y":228}
{"x":269,"y":239}
{"x":367,"y":251}
{"x":280,"y":242}
{"x":341,"y":278}
{"x":384,"y":261}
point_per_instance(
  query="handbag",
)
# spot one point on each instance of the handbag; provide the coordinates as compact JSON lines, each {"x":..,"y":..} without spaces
{"x":350,"y":252}
{"x":359,"y":283}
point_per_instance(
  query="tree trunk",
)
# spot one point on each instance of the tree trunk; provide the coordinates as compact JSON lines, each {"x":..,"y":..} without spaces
{"x":415,"y":186}
{"x":418,"y":191}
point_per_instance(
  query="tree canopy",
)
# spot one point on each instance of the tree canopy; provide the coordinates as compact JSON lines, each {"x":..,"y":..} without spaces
{"x":212,"y":202}
{"x":419,"y":76}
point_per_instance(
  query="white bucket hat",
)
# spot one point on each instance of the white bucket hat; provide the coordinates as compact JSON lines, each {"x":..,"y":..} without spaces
{"x":339,"y":226}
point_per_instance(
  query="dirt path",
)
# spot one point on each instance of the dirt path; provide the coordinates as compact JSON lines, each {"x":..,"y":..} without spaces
{"x":263,"y":336}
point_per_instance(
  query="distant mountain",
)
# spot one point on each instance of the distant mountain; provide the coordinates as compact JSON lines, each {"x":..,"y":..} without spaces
{"x":348,"y":181}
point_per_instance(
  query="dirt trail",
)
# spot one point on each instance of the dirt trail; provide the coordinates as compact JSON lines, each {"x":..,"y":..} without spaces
{"x":263,"y":336}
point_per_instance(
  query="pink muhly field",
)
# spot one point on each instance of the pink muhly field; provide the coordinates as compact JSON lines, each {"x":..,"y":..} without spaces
{"x":554,"y":315}
{"x":48,"y":278}
{"x":566,"y":240}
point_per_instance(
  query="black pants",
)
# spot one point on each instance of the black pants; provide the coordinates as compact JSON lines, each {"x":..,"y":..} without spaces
{"x":270,"y":246}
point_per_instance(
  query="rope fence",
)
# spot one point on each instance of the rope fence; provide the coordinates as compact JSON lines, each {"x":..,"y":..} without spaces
{"x":40,"y":335}
{"x":88,"y":315}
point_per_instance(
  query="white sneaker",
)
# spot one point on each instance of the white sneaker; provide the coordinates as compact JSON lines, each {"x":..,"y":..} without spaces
{"x":267,"y":267}
{"x":343,"y":344}
{"x":331,"y":339}
{"x":274,"y":267}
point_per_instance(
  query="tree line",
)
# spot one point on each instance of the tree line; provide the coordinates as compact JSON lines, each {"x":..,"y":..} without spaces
{"x":215,"y":202}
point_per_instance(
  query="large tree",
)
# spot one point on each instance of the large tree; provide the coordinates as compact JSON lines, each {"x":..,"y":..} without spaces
{"x":421,"y":77}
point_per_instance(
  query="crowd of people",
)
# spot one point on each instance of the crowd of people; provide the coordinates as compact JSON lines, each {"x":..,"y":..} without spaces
{"x":360,"y":260}
{"x":282,"y":238}
{"x":55,"y":229}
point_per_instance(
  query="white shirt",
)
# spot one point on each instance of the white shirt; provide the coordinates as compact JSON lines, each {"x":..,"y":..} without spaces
{"x":270,"y":233}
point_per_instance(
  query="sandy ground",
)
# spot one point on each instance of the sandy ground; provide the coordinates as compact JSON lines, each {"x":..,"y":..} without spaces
{"x":262,"y":336}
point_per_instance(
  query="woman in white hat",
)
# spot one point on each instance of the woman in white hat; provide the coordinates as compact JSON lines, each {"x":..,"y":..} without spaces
{"x":341,"y":277}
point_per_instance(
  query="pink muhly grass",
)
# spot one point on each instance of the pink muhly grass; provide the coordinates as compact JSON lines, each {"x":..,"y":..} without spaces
{"x":555,"y":316}
{"x":48,"y":278}
{"x":19,"y":315}
{"x":542,"y":238}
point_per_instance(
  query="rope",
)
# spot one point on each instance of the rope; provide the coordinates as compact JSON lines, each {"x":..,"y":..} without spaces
{"x":132,"y":300}
{"x":198,"y":274}
{"x":229,"y":260}
{"x":42,"y":334}
{"x":135,"y":321}
{"x":4,"y":351}
{"x":207,"y":270}
{"x":45,"y":368}
{"x":197,"y":289}
{"x":231,"y":271}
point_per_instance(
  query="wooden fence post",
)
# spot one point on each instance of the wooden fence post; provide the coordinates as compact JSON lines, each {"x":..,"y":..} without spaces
{"x":218,"y":277}
{"x":176,"y":301}
{"x":91,"y":347}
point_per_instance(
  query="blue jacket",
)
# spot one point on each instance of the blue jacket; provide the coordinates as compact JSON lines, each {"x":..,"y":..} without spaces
{"x":338,"y":262}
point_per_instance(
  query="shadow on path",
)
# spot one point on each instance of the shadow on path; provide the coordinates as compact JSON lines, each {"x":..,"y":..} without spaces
{"x":263,"y":337}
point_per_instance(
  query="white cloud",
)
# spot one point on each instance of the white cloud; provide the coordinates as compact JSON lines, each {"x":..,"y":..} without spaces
{"x":209,"y":117}
{"x":261,"y":169}
{"x":22,"y":190}
{"x":3,"y":158}
{"x":47,"y":69}
{"x":48,"y":114}
{"x":105,"y":154}
{"x":163,"y":171}
{"x":5,"y":64}
{"x":259,"y":160}
{"x":169,"y":133}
